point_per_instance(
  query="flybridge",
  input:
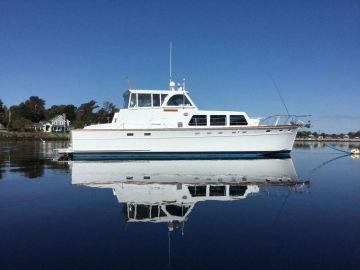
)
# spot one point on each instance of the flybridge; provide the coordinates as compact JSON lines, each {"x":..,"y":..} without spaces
{"x":176,"y":96}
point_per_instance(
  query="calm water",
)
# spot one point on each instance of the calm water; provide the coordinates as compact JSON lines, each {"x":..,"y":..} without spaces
{"x":299,"y":213}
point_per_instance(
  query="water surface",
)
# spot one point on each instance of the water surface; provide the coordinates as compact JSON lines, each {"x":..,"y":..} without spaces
{"x":298,"y":213}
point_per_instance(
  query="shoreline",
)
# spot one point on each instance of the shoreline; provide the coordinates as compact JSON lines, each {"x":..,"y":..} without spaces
{"x":24,"y":136}
{"x":326,"y":140}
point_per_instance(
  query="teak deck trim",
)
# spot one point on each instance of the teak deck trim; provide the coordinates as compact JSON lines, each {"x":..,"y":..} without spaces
{"x":197,"y":129}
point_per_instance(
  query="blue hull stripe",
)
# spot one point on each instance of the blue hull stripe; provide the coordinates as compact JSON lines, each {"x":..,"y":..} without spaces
{"x":175,"y":155}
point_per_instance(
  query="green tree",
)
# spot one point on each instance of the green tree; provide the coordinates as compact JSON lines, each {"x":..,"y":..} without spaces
{"x":3,"y":112}
{"x":85,"y":114}
{"x":106,"y":113}
{"x":21,"y":124}
{"x":69,"y":110}
{"x":35,"y":106}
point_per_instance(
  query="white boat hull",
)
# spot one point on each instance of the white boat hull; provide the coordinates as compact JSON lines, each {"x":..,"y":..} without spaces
{"x":160,"y":143}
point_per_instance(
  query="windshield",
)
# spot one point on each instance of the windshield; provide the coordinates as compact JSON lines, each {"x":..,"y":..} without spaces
{"x":178,"y":100}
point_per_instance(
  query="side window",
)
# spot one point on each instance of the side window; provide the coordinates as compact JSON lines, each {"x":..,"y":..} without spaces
{"x":178,"y":100}
{"x":163,"y":96}
{"x":156,"y":100}
{"x":133,"y":100}
{"x":238,"y":120}
{"x":198,"y":120}
{"x":217,"y":191}
{"x":217,"y":120}
{"x":197,"y":191}
{"x":236,"y":190}
{"x":144,"y":100}
{"x":126,"y":100}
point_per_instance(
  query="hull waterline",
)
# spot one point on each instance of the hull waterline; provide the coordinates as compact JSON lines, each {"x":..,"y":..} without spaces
{"x":176,"y":155}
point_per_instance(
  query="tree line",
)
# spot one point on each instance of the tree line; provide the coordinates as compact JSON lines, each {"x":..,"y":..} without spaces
{"x":308,"y":134}
{"x":23,"y":116}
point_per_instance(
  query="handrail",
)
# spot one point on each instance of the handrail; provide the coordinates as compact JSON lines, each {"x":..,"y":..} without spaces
{"x":284,"y":119}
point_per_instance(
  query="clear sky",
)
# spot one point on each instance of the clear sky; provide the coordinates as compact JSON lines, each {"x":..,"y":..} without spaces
{"x":75,"y":51}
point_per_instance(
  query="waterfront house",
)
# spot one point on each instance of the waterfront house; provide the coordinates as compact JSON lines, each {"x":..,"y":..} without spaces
{"x":56,"y":124}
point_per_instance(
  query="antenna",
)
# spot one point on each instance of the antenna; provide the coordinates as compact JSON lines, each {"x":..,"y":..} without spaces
{"x":170,"y":61}
{"x":171,"y":83}
{"x":129,"y":83}
{"x":278,"y":91}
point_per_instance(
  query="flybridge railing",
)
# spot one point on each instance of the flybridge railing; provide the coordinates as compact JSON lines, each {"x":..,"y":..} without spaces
{"x":280,"y":120}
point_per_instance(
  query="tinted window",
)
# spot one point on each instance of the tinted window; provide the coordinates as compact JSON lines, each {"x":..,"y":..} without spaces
{"x":237,"y":120}
{"x":198,"y":120}
{"x":142,"y":211}
{"x":197,"y":191}
{"x":217,"y":190}
{"x":156,"y":100}
{"x":133,"y":100}
{"x":236,"y":190}
{"x":163,"y":96}
{"x":154,"y":211}
{"x":177,"y":210}
{"x":126,"y":100}
{"x":178,"y":100}
{"x":217,"y":120}
{"x":144,"y":100}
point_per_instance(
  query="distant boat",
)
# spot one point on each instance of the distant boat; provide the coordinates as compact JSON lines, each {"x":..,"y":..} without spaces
{"x":157,"y":124}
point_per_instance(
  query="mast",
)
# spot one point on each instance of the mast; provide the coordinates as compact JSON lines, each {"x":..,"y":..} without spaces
{"x":170,"y":61}
{"x":171,"y":83}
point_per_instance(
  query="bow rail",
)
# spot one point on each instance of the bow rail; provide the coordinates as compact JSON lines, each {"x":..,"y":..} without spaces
{"x":280,"y":120}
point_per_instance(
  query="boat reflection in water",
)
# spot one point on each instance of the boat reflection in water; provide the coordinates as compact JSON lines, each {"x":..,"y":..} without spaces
{"x":167,"y":191}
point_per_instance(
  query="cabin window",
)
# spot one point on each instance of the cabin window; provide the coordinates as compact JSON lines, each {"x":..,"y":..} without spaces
{"x":177,"y":210}
{"x":163,"y":96}
{"x":133,"y":100}
{"x":129,"y":134}
{"x":217,"y":120}
{"x":156,"y":100}
{"x":144,"y":100}
{"x":238,"y":120}
{"x":236,"y":190}
{"x":126,"y":100}
{"x":198,"y":120}
{"x":217,"y":191}
{"x":154,"y":212}
{"x":197,"y":191}
{"x":178,"y":100}
{"x":131,"y":210}
{"x":142,"y":211}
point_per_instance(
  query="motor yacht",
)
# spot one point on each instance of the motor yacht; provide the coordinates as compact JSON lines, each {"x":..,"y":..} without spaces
{"x":167,"y":124}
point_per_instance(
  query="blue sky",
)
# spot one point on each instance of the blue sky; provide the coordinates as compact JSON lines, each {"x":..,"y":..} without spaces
{"x":75,"y":51}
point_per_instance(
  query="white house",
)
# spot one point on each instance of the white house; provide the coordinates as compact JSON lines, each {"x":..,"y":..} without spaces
{"x":56,"y":124}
